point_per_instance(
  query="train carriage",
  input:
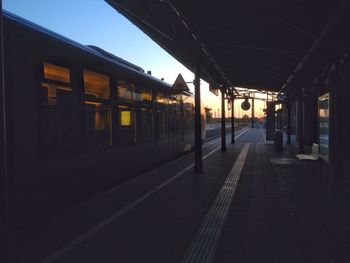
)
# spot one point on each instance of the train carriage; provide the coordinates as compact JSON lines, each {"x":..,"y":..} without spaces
{"x":81,"y":120}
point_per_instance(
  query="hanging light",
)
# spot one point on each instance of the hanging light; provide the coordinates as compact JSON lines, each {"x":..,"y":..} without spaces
{"x":245,"y":104}
{"x":229,"y":105}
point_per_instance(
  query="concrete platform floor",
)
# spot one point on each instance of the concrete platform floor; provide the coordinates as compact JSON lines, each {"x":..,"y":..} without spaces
{"x":251,"y":204}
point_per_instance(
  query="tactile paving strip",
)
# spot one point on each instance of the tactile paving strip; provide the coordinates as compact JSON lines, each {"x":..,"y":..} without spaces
{"x":203,"y":246}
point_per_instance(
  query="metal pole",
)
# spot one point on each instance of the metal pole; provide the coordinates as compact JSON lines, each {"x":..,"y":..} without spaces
{"x":223,"y":121}
{"x":198,"y":165}
{"x":288,"y":122}
{"x":300,"y":125}
{"x":332,"y":142}
{"x":3,"y":155}
{"x":336,"y":128}
{"x":253,"y":116}
{"x":232,"y":119}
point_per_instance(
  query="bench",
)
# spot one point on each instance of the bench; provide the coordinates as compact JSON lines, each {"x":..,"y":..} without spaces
{"x":308,"y":158}
{"x":312,"y":157}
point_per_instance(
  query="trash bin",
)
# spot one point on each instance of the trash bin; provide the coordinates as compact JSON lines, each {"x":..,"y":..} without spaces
{"x":278,"y":142}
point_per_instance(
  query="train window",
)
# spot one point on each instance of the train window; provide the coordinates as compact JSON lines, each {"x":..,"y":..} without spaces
{"x":97,"y":109}
{"x":146,"y":95}
{"x":160,"y":97}
{"x":125,"y":91}
{"x":160,"y":123}
{"x":127,"y":125}
{"x":56,"y":73}
{"x":125,"y":118}
{"x":137,"y":96}
{"x":96,"y":84}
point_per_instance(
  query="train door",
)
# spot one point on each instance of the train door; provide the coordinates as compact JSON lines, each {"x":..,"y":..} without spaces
{"x":144,"y":114}
{"x":182,"y":126}
{"x":127,"y":129}
{"x":97,"y":109}
{"x":56,"y":110}
{"x":160,"y":116}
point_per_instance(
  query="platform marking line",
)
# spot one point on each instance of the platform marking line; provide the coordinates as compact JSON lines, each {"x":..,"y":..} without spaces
{"x":217,"y":148}
{"x":74,"y":243}
{"x":243,"y":131}
{"x":205,"y":241}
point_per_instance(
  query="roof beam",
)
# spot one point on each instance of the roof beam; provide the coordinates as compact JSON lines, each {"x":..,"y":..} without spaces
{"x":334,"y":18}
{"x":248,"y":35}
{"x":300,"y":8}
{"x":264,"y":49}
{"x":198,"y":42}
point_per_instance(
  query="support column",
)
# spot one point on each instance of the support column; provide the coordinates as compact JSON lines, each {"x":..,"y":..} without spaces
{"x":198,"y":165}
{"x":253,"y":114}
{"x":336,"y":141}
{"x":3,"y":155}
{"x":300,"y":130}
{"x":232,"y":119}
{"x":223,"y":121}
{"x":288,"y":122}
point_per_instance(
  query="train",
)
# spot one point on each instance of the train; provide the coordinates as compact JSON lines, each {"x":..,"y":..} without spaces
{"x":81,"y":120}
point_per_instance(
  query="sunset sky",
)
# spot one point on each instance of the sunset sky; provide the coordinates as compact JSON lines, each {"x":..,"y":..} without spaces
{"x":94,"y":22}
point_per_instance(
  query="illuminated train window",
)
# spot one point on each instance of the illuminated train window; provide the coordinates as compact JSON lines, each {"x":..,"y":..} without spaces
{"x":55,"y":78}
{"x":160,"y":97}
{"x":125,"y":118}
{"x":125,"y":91}
{"x":146,"y":95}
{"x":96,"y":84}
{"x":57,"y":73}
{"x":127,"y":125}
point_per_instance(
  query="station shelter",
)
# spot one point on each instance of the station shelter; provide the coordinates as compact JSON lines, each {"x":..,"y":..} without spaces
{"x":298,"y":49}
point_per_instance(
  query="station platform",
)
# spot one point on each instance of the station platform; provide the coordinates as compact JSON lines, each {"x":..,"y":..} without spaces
{"x":251,"y":204}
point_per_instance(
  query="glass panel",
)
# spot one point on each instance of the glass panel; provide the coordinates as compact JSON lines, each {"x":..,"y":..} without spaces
{"x":137,"y":96}
{"x":127,"y":125}
{"x":160,"y":98}
{"x":57,"y":73}
{"x":96,"y":84}
{"x":323,"y":113}
{"x":125,"y":118}
{"x":125,"y":91}
{"x":146,"y":95}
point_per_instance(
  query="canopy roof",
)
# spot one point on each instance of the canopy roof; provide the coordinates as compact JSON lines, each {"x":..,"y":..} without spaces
{"x":265,"y":44}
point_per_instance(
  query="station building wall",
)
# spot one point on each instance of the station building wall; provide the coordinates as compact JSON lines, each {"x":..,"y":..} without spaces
{"x":334,"y":167}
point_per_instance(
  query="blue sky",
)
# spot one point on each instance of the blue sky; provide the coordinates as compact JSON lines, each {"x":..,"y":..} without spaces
{"x":94,"y":22}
